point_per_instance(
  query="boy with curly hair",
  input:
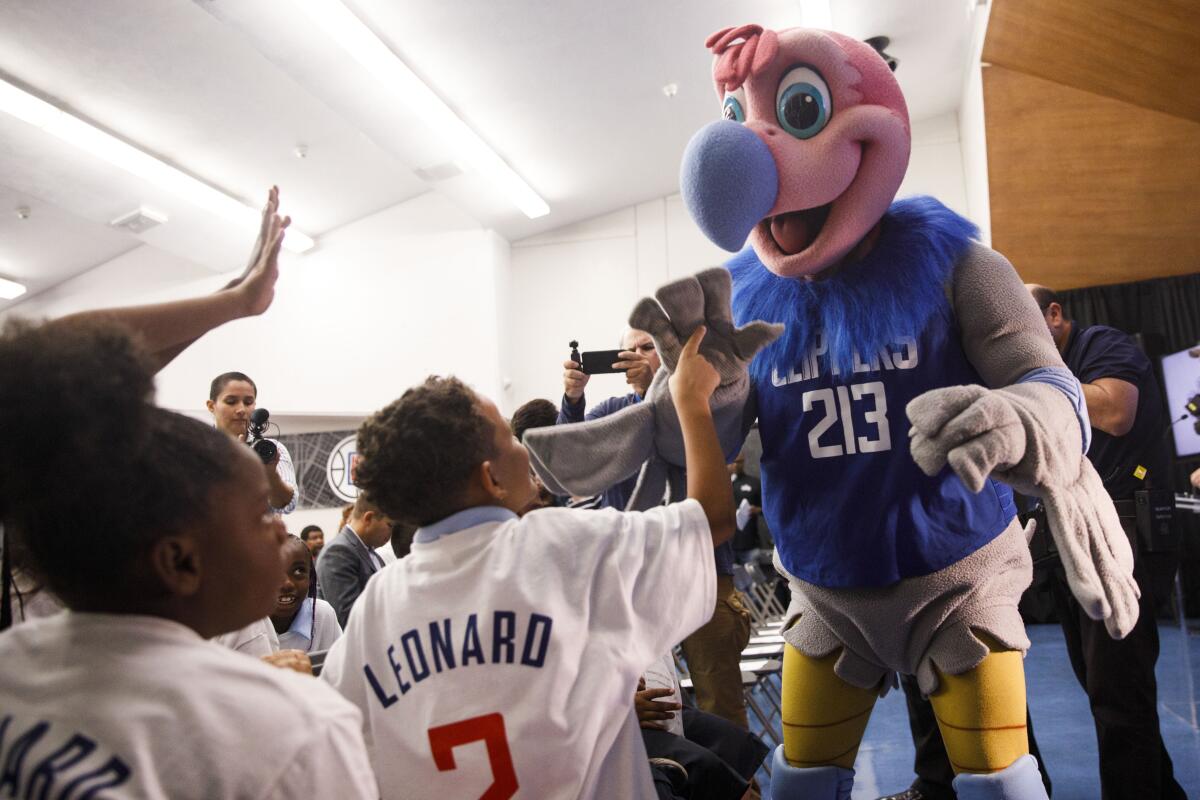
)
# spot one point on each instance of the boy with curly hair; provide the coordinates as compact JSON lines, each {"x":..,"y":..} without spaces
{"x":500,"y":655}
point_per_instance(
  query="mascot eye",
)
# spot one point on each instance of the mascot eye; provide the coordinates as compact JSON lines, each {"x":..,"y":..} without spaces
{"x":733,"y":108}
{"x":802,"y":102}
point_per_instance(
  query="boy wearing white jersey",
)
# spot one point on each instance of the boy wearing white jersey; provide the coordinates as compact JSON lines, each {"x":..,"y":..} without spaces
{"x":500,"y":655}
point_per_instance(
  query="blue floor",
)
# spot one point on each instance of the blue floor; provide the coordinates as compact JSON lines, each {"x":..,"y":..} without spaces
{"x":1061,"y":719}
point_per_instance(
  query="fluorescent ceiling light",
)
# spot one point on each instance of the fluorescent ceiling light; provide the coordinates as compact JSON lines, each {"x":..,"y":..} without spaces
{"x":366,"y":48}
{"x":40,"y":114}
{"x":10,"y":289}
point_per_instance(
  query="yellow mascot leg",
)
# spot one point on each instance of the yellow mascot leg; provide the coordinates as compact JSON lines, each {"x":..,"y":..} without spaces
{"x":823,"y":716}
{"x":981,"y":713}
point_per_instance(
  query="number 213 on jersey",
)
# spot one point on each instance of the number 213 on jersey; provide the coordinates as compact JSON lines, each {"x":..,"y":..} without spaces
{"x":837,"y":405}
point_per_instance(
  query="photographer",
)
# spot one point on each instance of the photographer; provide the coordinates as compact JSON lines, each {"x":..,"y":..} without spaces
{"x":640,"y":361}
{"x":231,"y":401}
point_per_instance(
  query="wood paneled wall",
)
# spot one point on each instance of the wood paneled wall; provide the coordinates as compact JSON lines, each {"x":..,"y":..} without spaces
{"x":1145,"y":52}
{"x":1088,"y":188}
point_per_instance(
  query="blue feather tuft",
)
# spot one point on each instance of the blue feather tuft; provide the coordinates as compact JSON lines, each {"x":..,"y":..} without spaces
{"x":891,"y":293}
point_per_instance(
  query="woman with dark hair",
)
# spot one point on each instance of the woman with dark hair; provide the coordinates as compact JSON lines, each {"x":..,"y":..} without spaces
{"x":149,"y":527}
{"x":232,"y":397}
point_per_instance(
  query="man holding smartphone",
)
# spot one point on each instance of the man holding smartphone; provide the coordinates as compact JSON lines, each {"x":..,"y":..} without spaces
{"x":714,"y":651}
{"x":639,"y":360}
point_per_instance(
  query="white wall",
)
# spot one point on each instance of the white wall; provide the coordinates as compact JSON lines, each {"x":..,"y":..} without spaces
{"x":972,"y":131}
{"x":581,"y":281}
{"x":935,"y":166}
{"x":383,"y":302}
{"x":140,"y":275}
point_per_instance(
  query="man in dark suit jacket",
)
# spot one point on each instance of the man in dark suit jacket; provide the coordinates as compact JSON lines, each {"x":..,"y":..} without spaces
{"x":348,"y":562}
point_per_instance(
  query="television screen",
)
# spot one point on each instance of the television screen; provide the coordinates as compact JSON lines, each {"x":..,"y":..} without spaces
{"x":1181,"y":374}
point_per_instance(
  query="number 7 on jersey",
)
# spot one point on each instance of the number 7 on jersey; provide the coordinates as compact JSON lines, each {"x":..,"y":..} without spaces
{"x":488,"y":728}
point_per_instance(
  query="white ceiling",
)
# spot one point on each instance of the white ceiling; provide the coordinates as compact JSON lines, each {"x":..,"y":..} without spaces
{"x":569,"y":94}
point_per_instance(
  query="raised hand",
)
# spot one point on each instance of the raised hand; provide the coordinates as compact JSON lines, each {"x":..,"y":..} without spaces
{"x":169,"y":328}
{"x":638,"y":372}
{"x":256,"y":286}
{"x":694,"y":377}
{"x":574,"y":381}
{"x":704,"y":299}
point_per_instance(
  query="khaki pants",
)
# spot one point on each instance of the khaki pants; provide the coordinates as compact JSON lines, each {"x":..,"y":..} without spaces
{"x":713,"y":656}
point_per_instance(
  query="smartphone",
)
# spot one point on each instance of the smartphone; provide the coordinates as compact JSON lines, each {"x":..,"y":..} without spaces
{"x":600,"y":362}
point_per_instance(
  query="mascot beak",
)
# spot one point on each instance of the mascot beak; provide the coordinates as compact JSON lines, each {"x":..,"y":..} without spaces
{"x":729,"y":182}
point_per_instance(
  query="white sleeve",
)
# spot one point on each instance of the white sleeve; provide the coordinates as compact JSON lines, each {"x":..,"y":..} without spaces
{"x":328,"y":629}
{"x":287,"y":473}
{"x":333,"y":763}
{"x":660,"y":564}
{"x":257,"y":639}
{"x":346,"y":681}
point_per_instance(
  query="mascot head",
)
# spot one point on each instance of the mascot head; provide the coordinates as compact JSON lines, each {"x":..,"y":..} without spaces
{"x":811,"y":150}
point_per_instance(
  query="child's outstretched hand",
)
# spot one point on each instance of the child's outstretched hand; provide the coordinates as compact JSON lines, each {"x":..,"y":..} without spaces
{"x":695,"y":378}
{"x":256,"y":286}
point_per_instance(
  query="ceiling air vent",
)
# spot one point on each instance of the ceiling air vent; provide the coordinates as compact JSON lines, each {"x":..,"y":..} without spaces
{"x":139,"y":220}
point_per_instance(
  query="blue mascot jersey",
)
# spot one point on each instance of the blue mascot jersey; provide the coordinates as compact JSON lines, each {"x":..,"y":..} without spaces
{"x":842,"y":495}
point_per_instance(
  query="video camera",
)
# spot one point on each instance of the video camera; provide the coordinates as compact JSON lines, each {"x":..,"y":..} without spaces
{"x":265,"y":448}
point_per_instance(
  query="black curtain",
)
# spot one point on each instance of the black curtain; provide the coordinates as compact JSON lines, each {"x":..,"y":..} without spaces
{"x":1166,"y":312}
{"x":1164,"y":307}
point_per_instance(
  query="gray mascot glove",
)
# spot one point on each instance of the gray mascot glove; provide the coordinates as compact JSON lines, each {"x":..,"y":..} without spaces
{"x":585,"y":458}
{"x":1028,"y":436}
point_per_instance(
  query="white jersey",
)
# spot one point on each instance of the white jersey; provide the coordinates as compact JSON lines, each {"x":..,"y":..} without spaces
{"x":257,"y":639}
{"x":506,"y":654}
{"x":662,"y":674}
{"x":125,"y":706}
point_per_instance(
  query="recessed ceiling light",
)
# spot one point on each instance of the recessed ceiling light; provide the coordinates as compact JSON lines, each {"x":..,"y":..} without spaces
{"x":23,"y":212}
{"x":10,"y":289}
{"x":71,"y":129}
{"x":393,"y":75}
{"x":671,"y":89}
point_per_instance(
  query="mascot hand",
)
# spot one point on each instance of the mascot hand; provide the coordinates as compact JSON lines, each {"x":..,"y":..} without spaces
{"x":588,"y":457}
{"x":685,"y":304}
{"x":1028,"y":436}
{"x":974,"y":429}
{"x":1095,"y":552}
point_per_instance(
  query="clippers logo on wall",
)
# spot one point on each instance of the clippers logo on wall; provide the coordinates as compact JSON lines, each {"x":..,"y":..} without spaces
{"x":340,"y":469}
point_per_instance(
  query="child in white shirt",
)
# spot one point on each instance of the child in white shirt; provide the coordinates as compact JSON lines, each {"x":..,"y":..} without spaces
{"x":502,"y":652}
{"x":302,"y":620}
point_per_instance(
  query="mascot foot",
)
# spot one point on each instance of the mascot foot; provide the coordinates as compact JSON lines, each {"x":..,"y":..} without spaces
{"x":1020,"y":780}
{"x":810,"y":783}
